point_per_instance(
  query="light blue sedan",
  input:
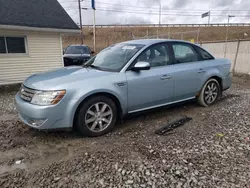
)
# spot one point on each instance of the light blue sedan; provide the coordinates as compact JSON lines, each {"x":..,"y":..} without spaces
{"x":122,"y":79}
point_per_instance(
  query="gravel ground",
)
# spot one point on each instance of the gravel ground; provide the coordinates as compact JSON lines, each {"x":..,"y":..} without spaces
{"x":212,"y":150}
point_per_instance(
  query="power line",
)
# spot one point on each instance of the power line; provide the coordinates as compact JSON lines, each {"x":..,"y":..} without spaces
{"x":122,"y":5}
{"x":152,"y":11}
{"x":170,"y":9}
{"x":139,"y":9}
{"x":163,"y":10}
{"x":71,"y":7}
{"x":69,"y":1}
{"x":156,"y":13}
{"x":72,"y":15}
{"x":143,"y":7}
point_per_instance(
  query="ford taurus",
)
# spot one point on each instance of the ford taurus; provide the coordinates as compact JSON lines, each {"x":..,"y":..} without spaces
{"x":122,"y":79}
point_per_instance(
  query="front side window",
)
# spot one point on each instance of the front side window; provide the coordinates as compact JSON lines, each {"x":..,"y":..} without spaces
{"x":184,"y":53}
{"x":114,"y":57}
{"x":10,"y":45}
{"x":157,"y":55}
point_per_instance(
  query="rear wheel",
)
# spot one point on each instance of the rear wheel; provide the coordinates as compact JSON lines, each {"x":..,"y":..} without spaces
{"x":210,"y":93}
{"x":97,"y":116}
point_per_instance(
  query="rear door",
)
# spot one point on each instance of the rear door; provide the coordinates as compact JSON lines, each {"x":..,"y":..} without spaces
{"x":187,"y":70}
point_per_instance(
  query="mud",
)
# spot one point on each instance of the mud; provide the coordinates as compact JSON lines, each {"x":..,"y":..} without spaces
{"x":212,"y":150}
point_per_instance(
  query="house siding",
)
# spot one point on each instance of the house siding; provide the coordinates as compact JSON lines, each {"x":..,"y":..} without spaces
{"x":44,"y":53}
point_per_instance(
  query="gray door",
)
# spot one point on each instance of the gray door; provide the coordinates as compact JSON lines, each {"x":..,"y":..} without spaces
{"x":154,"y":87}
{"x":187,"y":71}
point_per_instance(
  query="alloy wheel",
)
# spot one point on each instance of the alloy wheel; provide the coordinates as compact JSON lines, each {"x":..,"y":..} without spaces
{"x":211,"y":92}
{"x":98,"y":117}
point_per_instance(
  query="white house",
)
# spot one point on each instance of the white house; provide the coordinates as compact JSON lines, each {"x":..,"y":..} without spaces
{"x":31,"y":37}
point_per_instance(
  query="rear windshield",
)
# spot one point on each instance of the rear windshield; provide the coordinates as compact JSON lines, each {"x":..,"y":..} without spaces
{"x":77,"y":50}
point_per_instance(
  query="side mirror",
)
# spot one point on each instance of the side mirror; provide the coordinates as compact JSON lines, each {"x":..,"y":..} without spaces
{"x":141,"y":65}
{"x":92,"y":52}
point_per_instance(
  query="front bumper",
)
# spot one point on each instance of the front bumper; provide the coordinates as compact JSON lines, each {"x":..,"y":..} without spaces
{"x":43,"y":117}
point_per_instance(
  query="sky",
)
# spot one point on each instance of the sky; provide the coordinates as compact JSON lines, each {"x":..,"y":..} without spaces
{"x":147,"y":11}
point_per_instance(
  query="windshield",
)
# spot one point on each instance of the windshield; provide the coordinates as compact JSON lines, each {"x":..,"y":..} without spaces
{"x":114,"y":57}
{"x":77,"y":50}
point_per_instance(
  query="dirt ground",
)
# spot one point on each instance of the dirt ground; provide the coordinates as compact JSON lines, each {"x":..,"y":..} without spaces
{"x":212,"y":150}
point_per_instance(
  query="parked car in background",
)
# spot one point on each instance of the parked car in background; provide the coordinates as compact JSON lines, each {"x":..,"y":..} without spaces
{"x":76,"y":55}
{"x":122,"y":79}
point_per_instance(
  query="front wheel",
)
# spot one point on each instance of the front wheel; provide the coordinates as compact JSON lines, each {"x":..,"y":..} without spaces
{"x":210,"y":93}
{"x":97,"y":116}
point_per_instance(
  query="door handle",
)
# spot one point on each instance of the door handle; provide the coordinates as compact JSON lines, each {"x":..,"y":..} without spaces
{"x":166,"y":77}
{"x":201,"y":71}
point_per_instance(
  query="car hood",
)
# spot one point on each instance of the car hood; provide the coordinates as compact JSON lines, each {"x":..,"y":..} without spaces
{"x":54,"y":79}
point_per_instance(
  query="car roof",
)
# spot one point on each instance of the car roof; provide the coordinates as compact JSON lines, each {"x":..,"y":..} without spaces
{"x":153,"y":41}
{"x":79,"y":45}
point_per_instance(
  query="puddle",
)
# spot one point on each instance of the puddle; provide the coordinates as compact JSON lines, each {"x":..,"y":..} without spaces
{"x":6,"y":168}
{"x":44,"y":159}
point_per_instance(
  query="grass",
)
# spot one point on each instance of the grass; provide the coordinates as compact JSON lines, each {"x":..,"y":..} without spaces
{"x":108,"y":36}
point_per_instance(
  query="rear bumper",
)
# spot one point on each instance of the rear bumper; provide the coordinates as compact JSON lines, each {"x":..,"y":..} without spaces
{"x":227,"y":81}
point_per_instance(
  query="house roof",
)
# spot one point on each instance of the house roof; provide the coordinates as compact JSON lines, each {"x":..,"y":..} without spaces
{"x":35,"y":13}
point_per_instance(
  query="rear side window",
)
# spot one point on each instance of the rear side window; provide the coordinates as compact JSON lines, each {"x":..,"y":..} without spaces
{"x":184,"y":53}
{"x":204,"y":54}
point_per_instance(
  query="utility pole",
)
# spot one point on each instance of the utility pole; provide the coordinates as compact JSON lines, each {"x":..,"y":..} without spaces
{"x":228,"y":20}
{"x":80,"y":17}
{"x":94,"y":23}
{"x":209,"y":15}
{"x":168,"y":31}
{"x":160,"y":13}
{"x":159,"y":19}
{"x":198,"y":36}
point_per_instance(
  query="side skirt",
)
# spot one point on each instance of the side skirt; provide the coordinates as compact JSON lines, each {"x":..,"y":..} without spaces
{"x":156,"y":106}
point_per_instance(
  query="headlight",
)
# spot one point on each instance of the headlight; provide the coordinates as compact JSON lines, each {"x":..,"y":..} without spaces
{"x":45,"y":98}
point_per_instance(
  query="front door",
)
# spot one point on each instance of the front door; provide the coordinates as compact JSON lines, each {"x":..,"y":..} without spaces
{"x":154,"y":87}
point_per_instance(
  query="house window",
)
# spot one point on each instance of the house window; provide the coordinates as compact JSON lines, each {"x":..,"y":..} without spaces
{"x":9,"y":45}
{"x":2,"y":45}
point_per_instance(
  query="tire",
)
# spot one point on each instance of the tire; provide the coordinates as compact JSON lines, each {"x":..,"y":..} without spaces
{"x":210,"y":93}
{"x":89,"y":116}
